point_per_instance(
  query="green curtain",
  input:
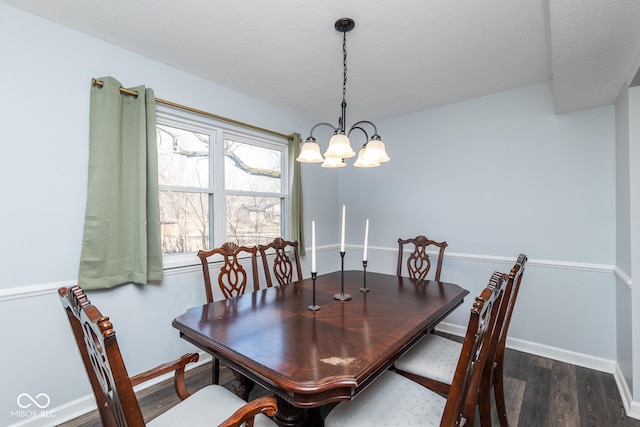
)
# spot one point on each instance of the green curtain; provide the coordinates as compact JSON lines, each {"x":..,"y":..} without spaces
{"x":297,"y":223}
{"x":121,"y":242}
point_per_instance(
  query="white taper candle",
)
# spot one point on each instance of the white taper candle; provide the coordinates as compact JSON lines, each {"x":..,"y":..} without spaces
{"x":342,"y":235}
{"x":313,"y":247}
{"x":366,"y":240}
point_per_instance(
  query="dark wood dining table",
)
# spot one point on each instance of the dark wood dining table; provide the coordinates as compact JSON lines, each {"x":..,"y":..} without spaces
{"x":311,"y":358}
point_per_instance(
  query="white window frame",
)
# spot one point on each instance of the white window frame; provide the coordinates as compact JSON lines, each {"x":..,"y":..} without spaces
{"x":221,"y":130}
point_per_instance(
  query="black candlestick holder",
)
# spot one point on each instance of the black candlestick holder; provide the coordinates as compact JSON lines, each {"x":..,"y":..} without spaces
{"x":364,"y":287}
{"x":313,"y":306}
{"x":342,"y":296}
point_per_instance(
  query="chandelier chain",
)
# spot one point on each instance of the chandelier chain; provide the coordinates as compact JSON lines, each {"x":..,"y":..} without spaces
{"x":344,"y":65}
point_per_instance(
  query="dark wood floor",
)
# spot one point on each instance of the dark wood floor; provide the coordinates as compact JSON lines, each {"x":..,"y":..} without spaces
{"x":540,"y":392}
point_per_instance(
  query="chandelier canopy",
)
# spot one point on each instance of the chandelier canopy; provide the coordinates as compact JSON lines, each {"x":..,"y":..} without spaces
{"x":372,"y":152}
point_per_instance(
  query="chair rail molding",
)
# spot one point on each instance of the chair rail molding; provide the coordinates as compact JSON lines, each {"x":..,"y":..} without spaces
{"x":623,"y":276}
{"x":30,"y":291}
{"x":565,"y":265}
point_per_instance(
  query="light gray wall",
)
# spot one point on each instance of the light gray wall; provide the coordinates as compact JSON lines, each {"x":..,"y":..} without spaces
{"x":623,"y":220}
{"x":624,"y":336}
{"x":634,"y":207}
{"x":494,"y":177}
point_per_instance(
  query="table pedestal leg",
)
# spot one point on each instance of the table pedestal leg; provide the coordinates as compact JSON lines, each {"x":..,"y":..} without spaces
{"x":215,"y":371}
{"x":242,"y":386}
{"x":289,"y":415}
{"x":314,"y":418}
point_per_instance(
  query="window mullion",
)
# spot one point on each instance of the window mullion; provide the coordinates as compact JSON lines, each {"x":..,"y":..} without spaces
{"x":218,"y":211}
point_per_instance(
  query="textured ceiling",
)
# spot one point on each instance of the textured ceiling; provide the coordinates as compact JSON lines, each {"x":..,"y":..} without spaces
{"x":403,"y":56}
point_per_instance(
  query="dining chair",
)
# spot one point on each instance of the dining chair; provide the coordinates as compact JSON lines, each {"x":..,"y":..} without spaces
{"x":232,"y":278}
{"x":112,"y":386}
{"x":394,"y":400}
{"x":419,"y":263}
{"x":493,"y":376}
{"x":282,"y":266}
{"x":432,"y":361}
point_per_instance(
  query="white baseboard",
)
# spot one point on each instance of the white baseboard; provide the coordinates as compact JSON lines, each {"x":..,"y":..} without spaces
{"x":631,"y":407}
{"x":86,"y":404}
{"x":634,"y":410}
{"x":554,"y":353}
{"x":623,"y":389}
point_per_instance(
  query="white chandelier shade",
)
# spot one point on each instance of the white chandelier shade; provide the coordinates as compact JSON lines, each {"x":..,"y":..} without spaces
{"x":339,"y":147}
{"x":376,"y":152}
{"x":363,"y":161}
{"x":333,"y":162}
{"x":310,"y":153}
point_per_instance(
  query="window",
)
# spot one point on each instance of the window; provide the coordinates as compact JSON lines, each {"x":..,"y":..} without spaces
{"x":218,"y":182}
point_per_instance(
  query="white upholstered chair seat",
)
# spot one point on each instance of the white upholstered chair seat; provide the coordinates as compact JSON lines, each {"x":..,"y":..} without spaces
{"x":209,"y":407}
{"x":391,"y":400}
{"x":433,"y":357}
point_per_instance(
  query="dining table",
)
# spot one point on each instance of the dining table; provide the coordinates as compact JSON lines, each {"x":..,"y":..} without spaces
{"x":308,"y":346}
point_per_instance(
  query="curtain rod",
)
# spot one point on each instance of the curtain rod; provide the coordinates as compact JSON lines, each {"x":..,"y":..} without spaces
{"x":194,"y":110}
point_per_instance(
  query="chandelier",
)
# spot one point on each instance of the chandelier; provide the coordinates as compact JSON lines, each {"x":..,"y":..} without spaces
{"x":372,"y":152}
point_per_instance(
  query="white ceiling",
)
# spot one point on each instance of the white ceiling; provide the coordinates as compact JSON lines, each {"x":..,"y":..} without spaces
{"x":403,"y":56}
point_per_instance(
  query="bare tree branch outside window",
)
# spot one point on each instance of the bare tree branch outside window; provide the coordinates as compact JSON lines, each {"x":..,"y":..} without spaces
{"x":184,"y":168}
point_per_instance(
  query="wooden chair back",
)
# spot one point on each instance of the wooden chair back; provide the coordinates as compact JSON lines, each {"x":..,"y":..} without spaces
{"x":96,"y":339}
{"x":463,"y":394}
{"x":283,"y":265}
{"x":232,"y":278}
{"x":493,"y":374}
{"x":418,"y":263}
{"x":515,"y":276}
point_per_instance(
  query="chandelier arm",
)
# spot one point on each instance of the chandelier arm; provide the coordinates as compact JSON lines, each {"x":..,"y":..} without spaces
{"x":335,"y":129}
{"x":375,"y":130}
{"x":354,"y":127}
